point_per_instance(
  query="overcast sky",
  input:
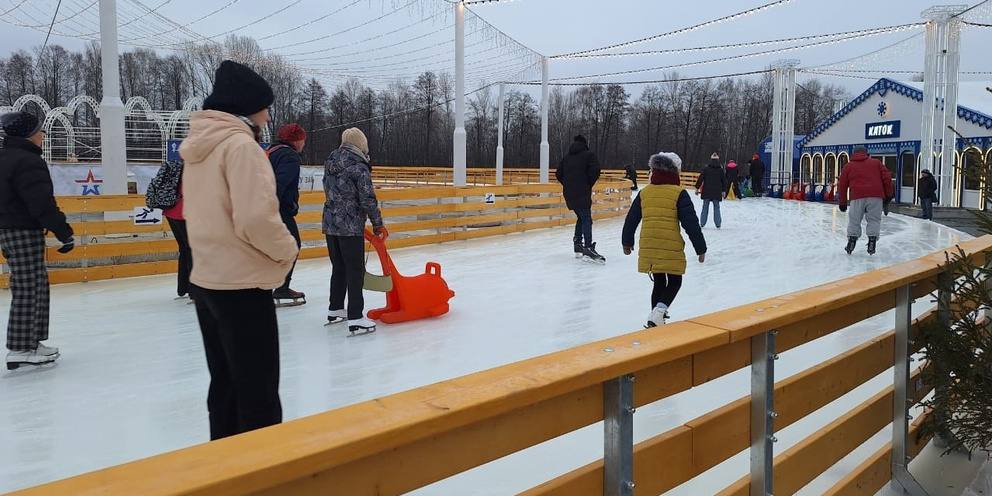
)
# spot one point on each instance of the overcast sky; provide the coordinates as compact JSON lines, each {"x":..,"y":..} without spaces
{"x":546,"y":26}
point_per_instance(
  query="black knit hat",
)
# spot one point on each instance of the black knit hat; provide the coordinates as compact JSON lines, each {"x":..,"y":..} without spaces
{"x":238,"y":90}
{"x":20,"y":124}
{"x":581,"y":139}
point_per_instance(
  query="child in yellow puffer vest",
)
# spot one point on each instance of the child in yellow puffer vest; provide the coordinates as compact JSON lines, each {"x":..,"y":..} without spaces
{"x":663,"y":206}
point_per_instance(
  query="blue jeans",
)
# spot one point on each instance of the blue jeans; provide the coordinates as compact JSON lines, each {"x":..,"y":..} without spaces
{"x":927,"y":204}
{"x":583,"y":226}
{"x":706,"y":213}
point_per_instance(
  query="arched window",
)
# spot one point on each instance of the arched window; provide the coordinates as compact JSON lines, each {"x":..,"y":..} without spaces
{"x":830,"y":169}
{"x":908,"y":170}
{"x":805,"y":164}
{"x":817,"y":169}
{"x":842,"y":160}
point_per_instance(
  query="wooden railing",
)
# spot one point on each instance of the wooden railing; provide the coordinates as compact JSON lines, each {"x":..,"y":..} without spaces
{"x":405,"y":441}
{"x":399,"y":176}
{"x":109,"y":249}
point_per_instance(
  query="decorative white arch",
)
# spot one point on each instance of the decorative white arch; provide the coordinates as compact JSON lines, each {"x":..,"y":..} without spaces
{"x":175,"y":118}
{"x":79,"y":100}
{"x":60,"y":114}
{"x":24,"y":100}
{"x":193,"y":104}
{"x":812,"y":166}
{"x":832,"y":167}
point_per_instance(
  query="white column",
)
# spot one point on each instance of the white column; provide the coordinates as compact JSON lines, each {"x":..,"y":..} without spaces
{"x":776,"y":165}
{"x":545,"y":147}
{"x":460,"y":139}
{"x":783,"y":121}
{"x":940,"y":95}
{"x":789,"y":125}
{"x":112,"y":142}
{"x":952,"y":61}
{"x":499,"y":137}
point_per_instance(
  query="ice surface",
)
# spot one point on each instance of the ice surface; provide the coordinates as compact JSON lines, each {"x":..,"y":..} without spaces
{"x":132,"y":380}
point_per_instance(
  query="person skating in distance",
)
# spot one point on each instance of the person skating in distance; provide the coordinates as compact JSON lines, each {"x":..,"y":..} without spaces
{"x":757,"y":175}
{"x":286,"y":162}
{"x":712,"y":186}
{"x":867,"y":185}
{"x":578,"y":173}
{"x":350,"y":202}
{"x":27,"y":210}
{"x":662,"y":207}
{"x":928,"y":193}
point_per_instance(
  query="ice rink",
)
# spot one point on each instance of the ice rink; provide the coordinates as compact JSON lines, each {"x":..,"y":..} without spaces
{"x":132,"y":380}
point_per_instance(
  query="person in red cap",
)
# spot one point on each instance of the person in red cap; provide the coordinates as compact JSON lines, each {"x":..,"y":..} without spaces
{"x":286,"y":162}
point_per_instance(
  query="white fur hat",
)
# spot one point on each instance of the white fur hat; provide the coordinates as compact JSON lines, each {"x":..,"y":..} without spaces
{"x":666,"y":161}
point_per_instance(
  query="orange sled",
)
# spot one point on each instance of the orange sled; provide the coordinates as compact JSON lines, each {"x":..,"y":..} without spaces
{"x":409,"y":298}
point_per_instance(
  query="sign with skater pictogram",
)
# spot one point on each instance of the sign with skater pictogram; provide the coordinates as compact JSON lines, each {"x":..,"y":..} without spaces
{"x":144,"y":216}
{"x":490,"y":198}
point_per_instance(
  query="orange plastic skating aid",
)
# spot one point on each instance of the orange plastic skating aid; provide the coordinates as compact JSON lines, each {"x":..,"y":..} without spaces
{"x":411,"y":298}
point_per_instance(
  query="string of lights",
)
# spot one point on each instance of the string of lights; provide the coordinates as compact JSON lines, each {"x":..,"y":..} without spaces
{"x":676,"y":32}
{"x":872,"y":58}
{"x":15,"y":7}
{"x":311,"y":21}
{"x":188,"y":24}
{"x":372,"y":38}
{"x":372,"y":50}
{"x":863,"y":34}
{"x":746,"y":44}
{"x":653,"y":81}
{"x":349,"y":29}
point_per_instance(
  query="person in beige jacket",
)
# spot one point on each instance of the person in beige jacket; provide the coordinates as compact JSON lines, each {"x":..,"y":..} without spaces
{"x":241,"y":248}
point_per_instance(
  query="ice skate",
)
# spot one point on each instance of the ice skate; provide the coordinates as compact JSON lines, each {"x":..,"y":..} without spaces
{"x":336,"y":316}
{"x":590,"y":255}
{"x":872,"y":241}
{"x":852,"y":241}
{"x":288,"y":298}
{"x":359,"y":327}
{"x":46,"y":350}
{"x":577,"y":247}
{"x":657,"y":318}
{"x":15,"y":359}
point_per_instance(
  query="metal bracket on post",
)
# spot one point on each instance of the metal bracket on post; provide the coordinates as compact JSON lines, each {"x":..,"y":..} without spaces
{"x":763,"y":413}
{"x":902,"y":480}
{"x":618,"y":436}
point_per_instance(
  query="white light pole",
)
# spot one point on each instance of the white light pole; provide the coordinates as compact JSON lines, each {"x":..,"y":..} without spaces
{"x":460,"y":139}
{"x":499,"y":138}
{"x":545,"y":148}
{"x":940,"y":97}
{"x":783,"y":121}
{"x":112,"y":142}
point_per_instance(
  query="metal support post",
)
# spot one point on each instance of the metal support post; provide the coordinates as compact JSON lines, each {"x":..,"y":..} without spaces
{"x":618,"y":436}
{"x":113,"y":155}
{"x":902,"y":480}
{"x":460,"y":157}
{"x":783,"y":120}
{"x":763,"y":413}
{"x":545,"y":147}
{"x":499,"y":137}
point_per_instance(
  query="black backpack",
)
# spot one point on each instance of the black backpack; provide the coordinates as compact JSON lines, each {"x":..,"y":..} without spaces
{"x":163,"y":190}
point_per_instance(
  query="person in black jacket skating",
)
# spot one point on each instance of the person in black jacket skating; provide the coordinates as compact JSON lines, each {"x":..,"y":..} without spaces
{"x":27,"y":210}
{"x":712,"y":186}
{"x":757,"y":175}
{"x":286,"y":162}
{"x":928,"y":193}
{"x":578,"y":173}
{"x":630,"y":172}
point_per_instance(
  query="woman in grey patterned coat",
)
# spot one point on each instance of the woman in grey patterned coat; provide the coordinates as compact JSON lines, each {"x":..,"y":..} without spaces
{"x":350,"y":201}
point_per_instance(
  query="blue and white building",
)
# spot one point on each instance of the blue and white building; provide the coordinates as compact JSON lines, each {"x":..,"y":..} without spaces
{"x":887,"y":120}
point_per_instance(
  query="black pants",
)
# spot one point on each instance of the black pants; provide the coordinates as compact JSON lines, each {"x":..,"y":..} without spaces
{"x":583,"y":227}
{"x":185,"y":255}
{"x":241,"y":340}
{"x":347,"y":274}
{"x":295,"y":231}
{"x":666,"y":288}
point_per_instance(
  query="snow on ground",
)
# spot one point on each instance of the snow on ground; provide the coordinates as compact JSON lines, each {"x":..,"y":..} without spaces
{"x":132,"y":380}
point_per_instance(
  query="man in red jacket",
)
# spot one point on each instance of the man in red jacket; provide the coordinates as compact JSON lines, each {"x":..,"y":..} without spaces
{"x":870,"y":185}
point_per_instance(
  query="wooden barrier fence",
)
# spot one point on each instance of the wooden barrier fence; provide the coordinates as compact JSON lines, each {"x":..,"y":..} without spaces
{"x":408,"y":440}
{"x":478,"y":176}
{"x":109,"y":249}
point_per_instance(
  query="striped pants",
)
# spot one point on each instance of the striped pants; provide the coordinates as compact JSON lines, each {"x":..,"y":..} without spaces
{"x":24,"y":250}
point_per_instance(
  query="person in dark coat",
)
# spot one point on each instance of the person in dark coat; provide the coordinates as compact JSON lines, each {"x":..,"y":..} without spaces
{"x":712,"y":186}
{"x":351,"y":201}
{"x":27,"y":210}
{"x":631,"y":174}
{"x":578,"y":173}
{"x":286,"y":162}
{"x":928,"y":193}
{"x":757,"y":175}
{"x":733,"y":178}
